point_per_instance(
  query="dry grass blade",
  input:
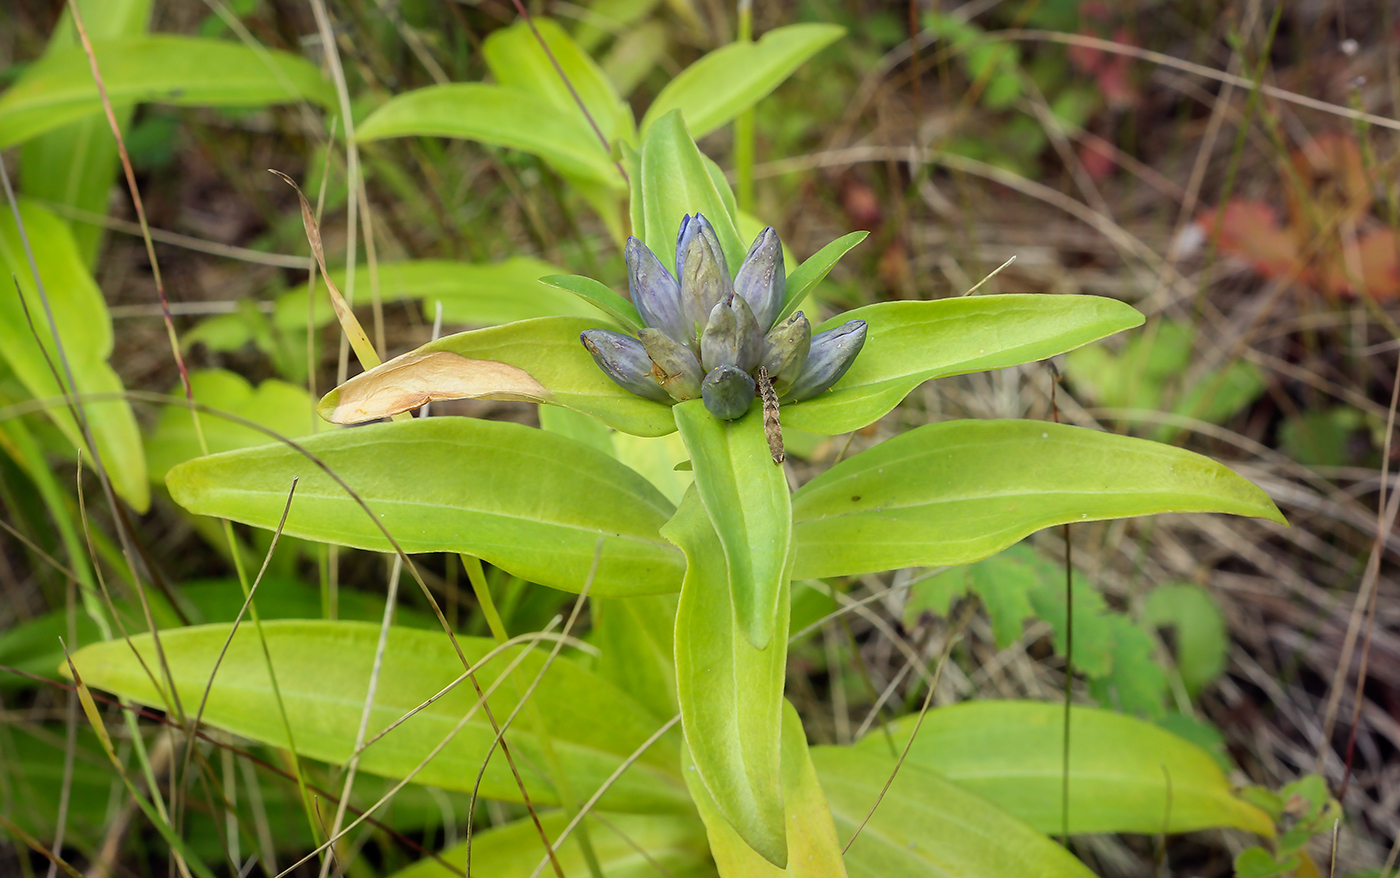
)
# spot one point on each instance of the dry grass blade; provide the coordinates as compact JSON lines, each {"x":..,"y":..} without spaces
{"x":55,"y":861}
{"x":350,"y":324}
{"x":953,"y":636}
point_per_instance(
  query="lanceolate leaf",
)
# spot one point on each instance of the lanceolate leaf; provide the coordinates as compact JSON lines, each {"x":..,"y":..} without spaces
{"x":599,"y":296}
{"x":911,"y":342}
{"x":733,"y":78}
{"x":959,"y":491}
{"x":1125,"y":775}
{"x":674,"y":180}
{"x":813,"y":851}
{"x":926,"y":826}
{"x":626,"y":845}
{"x":76,"y":165}
{"x":86,"y":331}
{"x":517,"y":61}
{"x":323,"y":671}
{"x":731,"y":695}
{"x":164,"y":69}
{"x":498,"y":116}
{"x":531,"y":502}
{"x":746,"y":498}
{"x":810,"y":273}
{"x":549,"y":351}
{"x":472,"y":294}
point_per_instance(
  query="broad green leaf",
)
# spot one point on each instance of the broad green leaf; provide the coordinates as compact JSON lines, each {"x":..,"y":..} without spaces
{"x":813,"y":851}
{"x":656,"y":458}
{"x":804,"y":278}
{"x":637,"y":639}
{"x":745,"y":495}
{"x":598,"y":295}
{"x":926,"y":826}
{"x":533,"y":503}
{"x":910,"y":342}
{"x":1198,"y":627}
{"x":517,"y":61}
{"x":33,"y":645}
{"x":610,"y":17}
{"x":958,"y":491}
{"x":627,"y":846}
{"x":86,"y":332}
{"x":1136,"y":684}
{"x":548,"y":350}
{"x":673,"y":181}
{"x":733,"y":78}
{"x":731,"y":695}
{"x":323,"y":671}
{"x":474,"y":294}
{"x":163,"y":69}
{"x":634,"y":55}
{"x":1126,"y":775}
{"x":498,"y":116}
{"x":76,"y":165}
{"x":284,"y":408}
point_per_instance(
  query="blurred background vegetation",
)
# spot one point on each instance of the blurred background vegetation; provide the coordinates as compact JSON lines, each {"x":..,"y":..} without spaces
{"x":1113,"y":148}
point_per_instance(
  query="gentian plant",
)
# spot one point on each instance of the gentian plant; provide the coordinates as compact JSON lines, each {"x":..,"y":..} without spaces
{"x":574,"y":507}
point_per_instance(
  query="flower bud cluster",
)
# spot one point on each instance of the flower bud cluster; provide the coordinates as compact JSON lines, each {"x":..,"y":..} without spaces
{"x":707,"y":336}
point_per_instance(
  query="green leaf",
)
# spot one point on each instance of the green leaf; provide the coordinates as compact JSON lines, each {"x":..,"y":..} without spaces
{"x":1200,"y":634}
{"x":517,"y":61}
{"x":1136,"y":684}
{"x":806,"y":276}
{"x":1255,"y":862}
{"x":277,"y":405}
{"x":674,"y":180}
{"x":731,"y":695}
{"x":533,"y":503}
{"x":474,"y":294}
{"x":164,"y":69}
{"x":86,"y":331}
{"x":746,"y":498}
{"x":323,"y":671}
{"x":813,"y":851}
{"x":731,"y":79}
{"x":637,"y":639}
{"x":1126,"y":775}
{"x":626,"y":845}
{"x":600,"y":296}
{"x":76,"y":165}
{"x":549,"y":351}
{"x":498,"y":116}
{"x":910,"y":342}
{"x":958,"y":491}
{"x":926,"y":826}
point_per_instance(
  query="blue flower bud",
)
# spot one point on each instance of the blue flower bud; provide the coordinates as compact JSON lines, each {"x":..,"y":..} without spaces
{"x":762,"y":280}
{"x":701,"y":271}
{"x":727,"y":392}
{"x":832,"y":353}
{"x":785,"y":350}
{"x":656,"y":293}
{"x":731,"y":336}
{"x":623,"y":359}
{"x":677,"y":370}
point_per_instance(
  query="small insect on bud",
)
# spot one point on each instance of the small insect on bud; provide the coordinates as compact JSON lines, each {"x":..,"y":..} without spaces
{"x":677,"y":370}
{"x":772,"y":427}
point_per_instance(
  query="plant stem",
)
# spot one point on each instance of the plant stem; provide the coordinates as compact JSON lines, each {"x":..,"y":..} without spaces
{"x":743,"y":123}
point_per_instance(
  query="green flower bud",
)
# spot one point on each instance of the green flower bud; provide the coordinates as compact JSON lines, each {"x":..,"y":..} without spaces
{"x":677,"y":370}
{"x":731,"y":336}
{"x":762,"y":280}
{"x":656,"y":293}
{"x":701,"y":270}
{"x":727,"y":392}
{"x":785,"y":350}
{"x":832,"y":353}
{"x":623,"y":359}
